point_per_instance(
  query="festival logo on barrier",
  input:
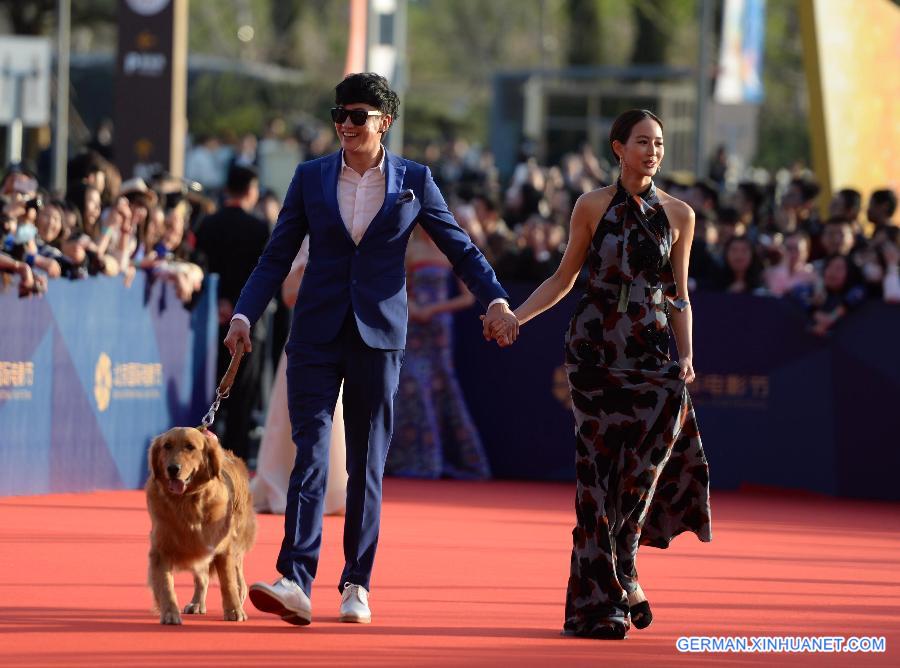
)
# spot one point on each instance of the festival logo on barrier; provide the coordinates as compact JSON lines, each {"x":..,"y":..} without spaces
{"x":110,"y":385}
{"x":103,"y":381}
{"x":15,"y":378}
{"x":125,"y":380}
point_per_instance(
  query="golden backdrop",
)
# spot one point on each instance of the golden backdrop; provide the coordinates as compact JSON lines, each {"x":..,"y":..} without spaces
{"x":852,"y":59}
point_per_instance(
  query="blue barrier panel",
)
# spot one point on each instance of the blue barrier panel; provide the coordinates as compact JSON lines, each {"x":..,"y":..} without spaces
{"x":90,"y":373}
{"x":776,"y":405}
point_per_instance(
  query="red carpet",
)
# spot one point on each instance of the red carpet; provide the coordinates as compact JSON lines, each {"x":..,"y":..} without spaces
{"x":467,"y":574}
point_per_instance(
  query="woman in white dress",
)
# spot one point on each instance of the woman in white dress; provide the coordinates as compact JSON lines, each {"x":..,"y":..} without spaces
{"x":277,"y":450}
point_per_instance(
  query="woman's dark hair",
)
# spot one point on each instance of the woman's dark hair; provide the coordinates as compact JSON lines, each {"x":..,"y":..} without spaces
{"x":752,"y":193}
{"x":625,"y":122}
{"x":854,"y":275}
{"x":753,"y":277}
{"x":728,"y":215}
{"x":885,"y":196}
{"x":368,"y":88}
{"x":76,"y":195}
{"x":69,"y":208}
{"x":61,"y":210}
{"x":850,"y":198}
{"x":808,"y":188}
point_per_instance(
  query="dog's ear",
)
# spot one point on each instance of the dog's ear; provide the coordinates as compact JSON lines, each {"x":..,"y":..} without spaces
{"x":213,"y":456}
{"x":156,"y":467}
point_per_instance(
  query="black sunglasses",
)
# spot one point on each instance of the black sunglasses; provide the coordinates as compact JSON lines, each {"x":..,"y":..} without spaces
{"x":357,"y":116}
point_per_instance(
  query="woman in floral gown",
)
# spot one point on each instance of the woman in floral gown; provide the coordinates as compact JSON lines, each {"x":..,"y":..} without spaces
{"x":642,"y":476}
{"x":434,"y":436}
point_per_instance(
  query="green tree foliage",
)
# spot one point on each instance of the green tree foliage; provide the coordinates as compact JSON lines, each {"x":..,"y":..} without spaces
{"x":784,"y":116}
{"x":584,"y":30}
{"x":652,"y":34}
{"x":231,"y":104}
{"x":38,"y":17}
{"x":455,"y":48}
{"x":665,"y":32}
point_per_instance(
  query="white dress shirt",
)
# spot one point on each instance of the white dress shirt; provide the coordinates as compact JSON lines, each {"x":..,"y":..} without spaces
{"x":360,"y":198}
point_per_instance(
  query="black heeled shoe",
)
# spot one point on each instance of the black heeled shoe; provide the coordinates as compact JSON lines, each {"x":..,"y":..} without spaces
{"x":641,"y":615}
{"x":602,"y":633}
{"x":613,"y":628}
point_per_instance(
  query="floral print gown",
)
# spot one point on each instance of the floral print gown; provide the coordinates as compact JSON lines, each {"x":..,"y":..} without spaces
{"x":642,"y":476}
{"x":434,"y":435}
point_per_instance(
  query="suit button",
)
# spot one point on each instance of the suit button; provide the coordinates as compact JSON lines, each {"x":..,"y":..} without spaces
{"x":354,"y":281}
{"x":356,"y":253}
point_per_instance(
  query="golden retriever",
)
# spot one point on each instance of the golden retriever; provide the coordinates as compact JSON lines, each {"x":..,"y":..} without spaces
{"x":198,"y":496}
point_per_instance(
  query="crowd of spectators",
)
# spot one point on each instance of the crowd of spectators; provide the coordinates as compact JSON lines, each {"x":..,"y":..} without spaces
{"x":98,"y":226}
{"x":762,"y":236}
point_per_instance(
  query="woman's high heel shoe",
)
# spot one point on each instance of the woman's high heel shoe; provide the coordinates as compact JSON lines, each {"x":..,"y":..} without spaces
{"x":641,"y":615}
{"x":614,"y":627}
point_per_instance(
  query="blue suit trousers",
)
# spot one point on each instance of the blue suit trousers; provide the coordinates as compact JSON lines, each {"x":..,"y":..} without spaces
{"x":314,"y":375}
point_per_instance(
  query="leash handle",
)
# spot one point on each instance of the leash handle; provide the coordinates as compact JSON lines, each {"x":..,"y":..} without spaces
{"x":224,"y":388}
{"x":228,"y":379}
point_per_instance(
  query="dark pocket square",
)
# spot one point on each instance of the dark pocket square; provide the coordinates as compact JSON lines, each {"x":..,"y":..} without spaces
{"x":406,"y":196}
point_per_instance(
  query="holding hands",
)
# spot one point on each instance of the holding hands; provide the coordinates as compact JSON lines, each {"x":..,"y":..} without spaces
{"x":500,"y":324}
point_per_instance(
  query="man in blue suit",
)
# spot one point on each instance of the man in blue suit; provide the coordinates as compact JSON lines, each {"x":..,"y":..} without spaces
{"x":358,"y":206}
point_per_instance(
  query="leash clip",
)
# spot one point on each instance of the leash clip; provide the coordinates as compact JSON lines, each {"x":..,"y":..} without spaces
{"x":224,"y":389}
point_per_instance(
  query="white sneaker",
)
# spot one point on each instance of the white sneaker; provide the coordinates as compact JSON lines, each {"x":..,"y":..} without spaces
{"x":284,"y":598}
{"x":355,"y":604}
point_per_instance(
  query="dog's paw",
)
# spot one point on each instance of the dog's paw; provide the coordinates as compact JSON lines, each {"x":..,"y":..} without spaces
{"x":236,"y":615}
{"x":195,"y":609}
{"x":172,"y":617}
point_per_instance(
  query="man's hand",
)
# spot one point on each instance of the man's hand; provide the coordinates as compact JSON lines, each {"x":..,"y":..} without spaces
{"x":500,"y":324}
{"x":238,"y":331}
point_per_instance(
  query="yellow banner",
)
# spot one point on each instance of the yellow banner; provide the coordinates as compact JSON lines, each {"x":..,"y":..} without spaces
{"x":852,"y":59}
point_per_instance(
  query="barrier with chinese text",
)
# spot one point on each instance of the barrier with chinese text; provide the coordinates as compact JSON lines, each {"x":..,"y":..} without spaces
{"x":90,"y":372}
{"x":777,"y":406}
{"x":93,"y":370}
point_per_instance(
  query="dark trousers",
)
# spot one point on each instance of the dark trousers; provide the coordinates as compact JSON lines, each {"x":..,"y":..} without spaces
{"x":244,"y":395}
{"x":314,"y":375}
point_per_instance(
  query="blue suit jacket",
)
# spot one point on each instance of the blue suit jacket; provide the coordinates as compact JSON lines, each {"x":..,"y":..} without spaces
{"x":369,"y":278}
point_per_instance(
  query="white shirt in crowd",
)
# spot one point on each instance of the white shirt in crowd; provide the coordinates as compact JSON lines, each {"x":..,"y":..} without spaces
{"x":892,"y":286}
